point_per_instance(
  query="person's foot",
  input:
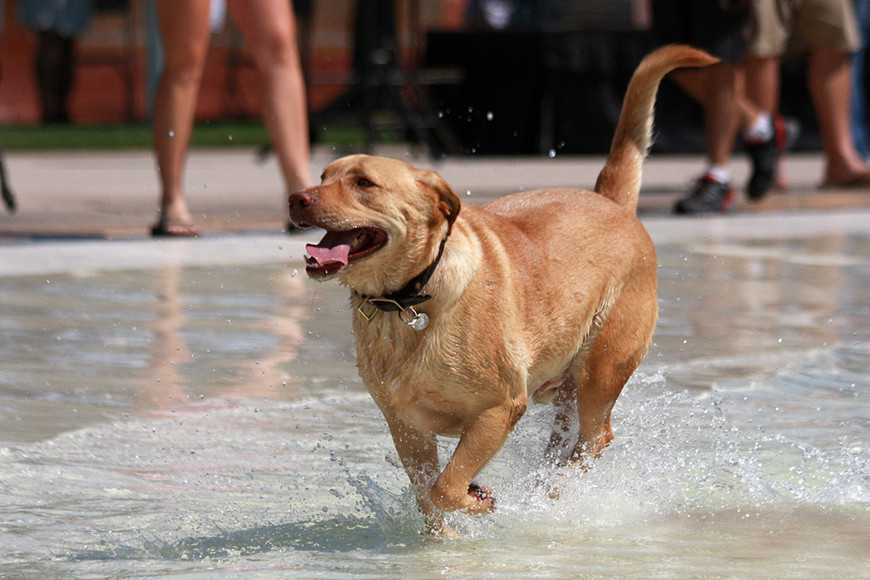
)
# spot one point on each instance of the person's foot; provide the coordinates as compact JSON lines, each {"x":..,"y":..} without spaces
{"x":856,"y":180}
{"x":706,"y":196}
{"x":174,"y":221}
{"x":168,"y":230}
{"x":847,"y":173}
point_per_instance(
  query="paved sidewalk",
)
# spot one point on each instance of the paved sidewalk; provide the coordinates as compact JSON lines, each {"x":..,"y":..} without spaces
{"x":114,"y":195}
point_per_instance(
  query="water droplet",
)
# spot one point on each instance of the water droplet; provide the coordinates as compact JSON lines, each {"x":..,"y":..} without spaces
{"x":229,"y":137}
{"x":171,"y":134}
{"x":440,"y":114}
{"x":551,"y":153}
{"x":468,"y":193}
{"x":489,"y":115}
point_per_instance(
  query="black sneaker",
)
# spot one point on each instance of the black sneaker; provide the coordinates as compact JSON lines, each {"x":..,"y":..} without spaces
{"x":706,"y":196}
{"x":765,"y":161}
{"x":765,"y":157}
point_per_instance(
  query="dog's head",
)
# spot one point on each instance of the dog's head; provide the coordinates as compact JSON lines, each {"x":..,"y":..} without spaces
{"x":384,"y":220}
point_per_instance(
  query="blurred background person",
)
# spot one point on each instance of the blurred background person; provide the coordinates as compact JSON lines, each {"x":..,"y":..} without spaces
{"x":269,"y":29}
{"x":827,"y":30}
{"x":57,"y":23}
{"x":720,"y":28}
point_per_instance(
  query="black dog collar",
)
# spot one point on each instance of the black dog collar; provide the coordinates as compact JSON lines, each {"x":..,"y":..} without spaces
{"x":410,"y":294}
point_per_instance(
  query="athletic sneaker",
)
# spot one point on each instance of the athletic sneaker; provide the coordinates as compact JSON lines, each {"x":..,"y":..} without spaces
{"x":765,"y":157}
{"x":765,"y":160}
{"x":706,"y":196}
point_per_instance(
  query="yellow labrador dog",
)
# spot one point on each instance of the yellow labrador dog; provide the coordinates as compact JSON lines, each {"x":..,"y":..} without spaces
{"x":461,"y":317}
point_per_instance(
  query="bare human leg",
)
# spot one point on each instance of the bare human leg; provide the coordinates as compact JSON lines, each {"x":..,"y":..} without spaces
{"x":269,"y":29}
{"x":831,"y":89}
{"x":716,"y":90}
{"x":721,"y":118}
{"x":184,"y":28}
{"x":696,"y":84}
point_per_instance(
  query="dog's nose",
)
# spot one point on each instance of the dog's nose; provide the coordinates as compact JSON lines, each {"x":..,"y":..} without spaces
{"x":299,"y":203}
{"x":301,"y":200}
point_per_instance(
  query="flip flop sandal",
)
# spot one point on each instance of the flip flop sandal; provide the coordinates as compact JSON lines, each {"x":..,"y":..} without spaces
{"x":164,"y":230}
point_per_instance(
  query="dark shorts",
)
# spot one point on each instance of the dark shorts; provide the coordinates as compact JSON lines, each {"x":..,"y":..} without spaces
{"x":721,"y":27}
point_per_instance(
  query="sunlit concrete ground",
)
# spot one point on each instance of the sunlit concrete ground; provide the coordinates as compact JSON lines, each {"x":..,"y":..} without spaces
{"x":115,"y":194}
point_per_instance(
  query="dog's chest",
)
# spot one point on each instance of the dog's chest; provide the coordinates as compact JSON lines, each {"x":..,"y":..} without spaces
{"x":404,"y":369}
{"x":389,"y":353}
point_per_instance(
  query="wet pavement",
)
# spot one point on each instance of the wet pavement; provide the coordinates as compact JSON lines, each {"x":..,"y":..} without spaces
{"x":192,"y":408}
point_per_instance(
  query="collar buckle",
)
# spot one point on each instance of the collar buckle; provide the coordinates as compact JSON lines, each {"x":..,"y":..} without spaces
{"x":404,"y":300}
{"x":368,"y":316}
{"x":416,"y":320}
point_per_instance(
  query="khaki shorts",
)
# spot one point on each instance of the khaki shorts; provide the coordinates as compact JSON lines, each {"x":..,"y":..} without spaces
{"x":803,"y":25}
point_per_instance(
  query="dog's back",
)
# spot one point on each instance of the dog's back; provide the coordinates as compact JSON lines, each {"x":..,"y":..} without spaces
{"x":574,"y":251}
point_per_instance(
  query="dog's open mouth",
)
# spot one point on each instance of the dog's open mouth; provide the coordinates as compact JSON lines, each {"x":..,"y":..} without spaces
{"x":337,"y":249}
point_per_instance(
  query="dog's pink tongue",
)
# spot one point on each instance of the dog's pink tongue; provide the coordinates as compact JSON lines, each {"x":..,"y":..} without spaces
{"x":323,"y":256}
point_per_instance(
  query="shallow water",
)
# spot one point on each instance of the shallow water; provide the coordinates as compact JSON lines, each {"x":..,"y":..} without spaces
{"x":208,"y":422}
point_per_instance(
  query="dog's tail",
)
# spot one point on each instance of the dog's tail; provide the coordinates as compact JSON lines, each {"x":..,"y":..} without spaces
{"x":620,"y":178}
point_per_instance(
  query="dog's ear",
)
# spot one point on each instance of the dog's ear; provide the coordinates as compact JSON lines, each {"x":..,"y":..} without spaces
{"x":448,"y":202}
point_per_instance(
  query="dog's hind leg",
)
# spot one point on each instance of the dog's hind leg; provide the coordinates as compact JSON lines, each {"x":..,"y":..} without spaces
{"x":566,"y":410}
{"x":614,"y":355}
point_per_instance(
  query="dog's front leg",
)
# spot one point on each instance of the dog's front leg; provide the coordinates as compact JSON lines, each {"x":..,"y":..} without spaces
{"x":479,"y":443}
{"x":418,"y":452}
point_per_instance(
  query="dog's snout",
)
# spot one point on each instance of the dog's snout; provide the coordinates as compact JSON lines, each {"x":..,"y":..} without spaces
{"x":301,"y":200}
{"x":299,"y":203}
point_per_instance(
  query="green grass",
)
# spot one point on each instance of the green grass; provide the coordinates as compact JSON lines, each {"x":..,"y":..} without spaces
{"x":138,"y":136}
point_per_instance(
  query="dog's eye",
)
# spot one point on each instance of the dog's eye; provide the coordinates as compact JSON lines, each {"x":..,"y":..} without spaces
{"x":364,"y":182}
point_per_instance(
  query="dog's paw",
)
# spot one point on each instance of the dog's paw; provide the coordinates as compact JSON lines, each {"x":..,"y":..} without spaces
{"x":484,"y":499}
{"x":554,"y":492}
{"x":438,"y":530}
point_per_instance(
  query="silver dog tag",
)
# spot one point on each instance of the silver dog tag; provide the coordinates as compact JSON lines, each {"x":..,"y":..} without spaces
{"x":418,"y":321}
